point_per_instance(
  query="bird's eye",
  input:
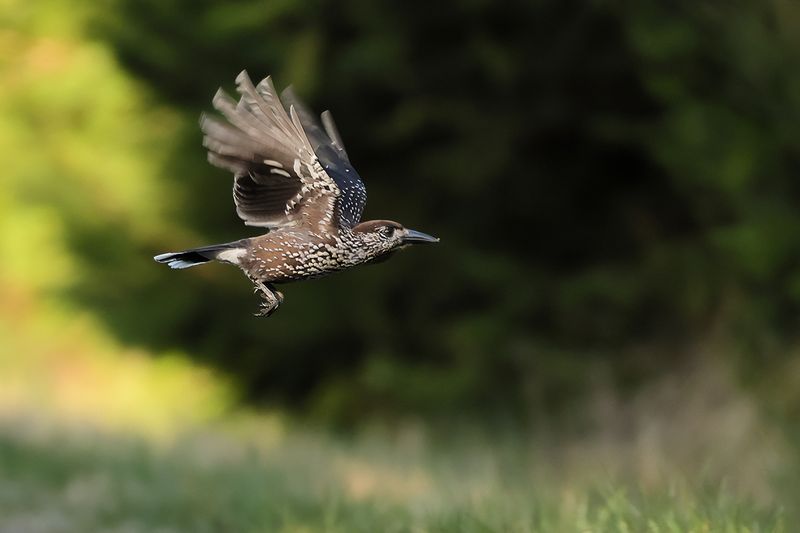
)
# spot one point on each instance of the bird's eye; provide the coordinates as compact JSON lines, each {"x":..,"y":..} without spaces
{"x":387,"y":231}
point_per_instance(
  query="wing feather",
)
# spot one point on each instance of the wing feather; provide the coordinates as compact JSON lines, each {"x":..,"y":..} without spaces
{"x":333,"y":133}
{"x":287,"y":170}
{"x":333,"y":158}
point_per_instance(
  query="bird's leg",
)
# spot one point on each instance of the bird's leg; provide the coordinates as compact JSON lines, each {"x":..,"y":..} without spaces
{"x":272,"y":298}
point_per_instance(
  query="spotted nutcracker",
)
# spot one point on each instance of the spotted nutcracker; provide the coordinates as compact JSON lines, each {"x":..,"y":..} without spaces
{"x":292,"y":176}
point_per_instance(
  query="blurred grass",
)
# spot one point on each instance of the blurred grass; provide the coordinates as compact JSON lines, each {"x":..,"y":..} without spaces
{"x":126,"y":443}
{"x":258,"y":477}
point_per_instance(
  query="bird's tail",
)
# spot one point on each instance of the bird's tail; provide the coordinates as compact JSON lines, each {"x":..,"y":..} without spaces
{"x":229,"y":252}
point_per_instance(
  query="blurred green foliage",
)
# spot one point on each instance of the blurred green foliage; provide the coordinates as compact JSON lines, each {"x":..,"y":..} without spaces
{"x":603,"y":175}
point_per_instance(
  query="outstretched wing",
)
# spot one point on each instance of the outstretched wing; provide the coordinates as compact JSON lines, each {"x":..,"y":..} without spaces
{"x":329,"y":148}
{"x":279,"y":179}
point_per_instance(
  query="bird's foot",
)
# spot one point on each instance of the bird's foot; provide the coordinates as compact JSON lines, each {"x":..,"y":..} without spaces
{"x":272,"y":299}
{"x":266,"y":309}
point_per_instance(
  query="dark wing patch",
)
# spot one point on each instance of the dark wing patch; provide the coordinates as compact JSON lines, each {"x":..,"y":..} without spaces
{"x":258,"y":199}
{"x":278,"y":179}
{"x":328,"y":147}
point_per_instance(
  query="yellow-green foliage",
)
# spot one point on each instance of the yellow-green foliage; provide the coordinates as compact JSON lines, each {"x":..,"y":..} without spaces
{"x":81,"y":143}
{"x":79,"y":138}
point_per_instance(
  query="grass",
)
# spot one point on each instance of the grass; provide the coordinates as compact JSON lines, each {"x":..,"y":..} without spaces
{"x":98,"y":437}
{"x":261,"y":477}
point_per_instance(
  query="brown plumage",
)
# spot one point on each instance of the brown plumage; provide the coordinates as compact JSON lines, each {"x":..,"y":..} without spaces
{"x":291,"y":176}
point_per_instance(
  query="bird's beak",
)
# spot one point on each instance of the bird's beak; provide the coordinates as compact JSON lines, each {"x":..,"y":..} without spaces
{"x":417,"y":237}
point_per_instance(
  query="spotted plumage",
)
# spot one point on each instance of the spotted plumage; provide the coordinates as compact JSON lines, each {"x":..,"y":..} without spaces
{"x":293,"y":177}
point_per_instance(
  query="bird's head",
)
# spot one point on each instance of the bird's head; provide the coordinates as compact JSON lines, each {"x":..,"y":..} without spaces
{"x":382,"y":237}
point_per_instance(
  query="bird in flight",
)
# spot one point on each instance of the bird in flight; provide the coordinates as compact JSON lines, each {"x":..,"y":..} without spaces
{"x":292,"y":177}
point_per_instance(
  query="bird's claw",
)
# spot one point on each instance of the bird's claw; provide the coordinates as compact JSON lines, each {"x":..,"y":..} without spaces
{"x":272,"y":300}
{"x":265,"y":310}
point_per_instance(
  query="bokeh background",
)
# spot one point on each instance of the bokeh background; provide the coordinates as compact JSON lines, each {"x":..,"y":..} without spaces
{"x":616,"y":186}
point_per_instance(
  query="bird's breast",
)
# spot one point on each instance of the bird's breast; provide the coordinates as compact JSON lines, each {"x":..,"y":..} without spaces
{"x":289,"y":256}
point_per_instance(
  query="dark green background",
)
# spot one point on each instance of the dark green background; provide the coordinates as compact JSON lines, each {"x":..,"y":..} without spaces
{"x":604,"y":176}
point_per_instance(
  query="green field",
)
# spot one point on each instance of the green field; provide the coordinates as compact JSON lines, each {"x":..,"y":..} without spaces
{"x":97,"y":437}
{"x":260,"y":475}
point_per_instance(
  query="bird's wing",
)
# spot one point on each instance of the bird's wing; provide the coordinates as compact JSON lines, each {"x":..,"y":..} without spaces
{"x":329,"y":148}
{"x":279,"y":180}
